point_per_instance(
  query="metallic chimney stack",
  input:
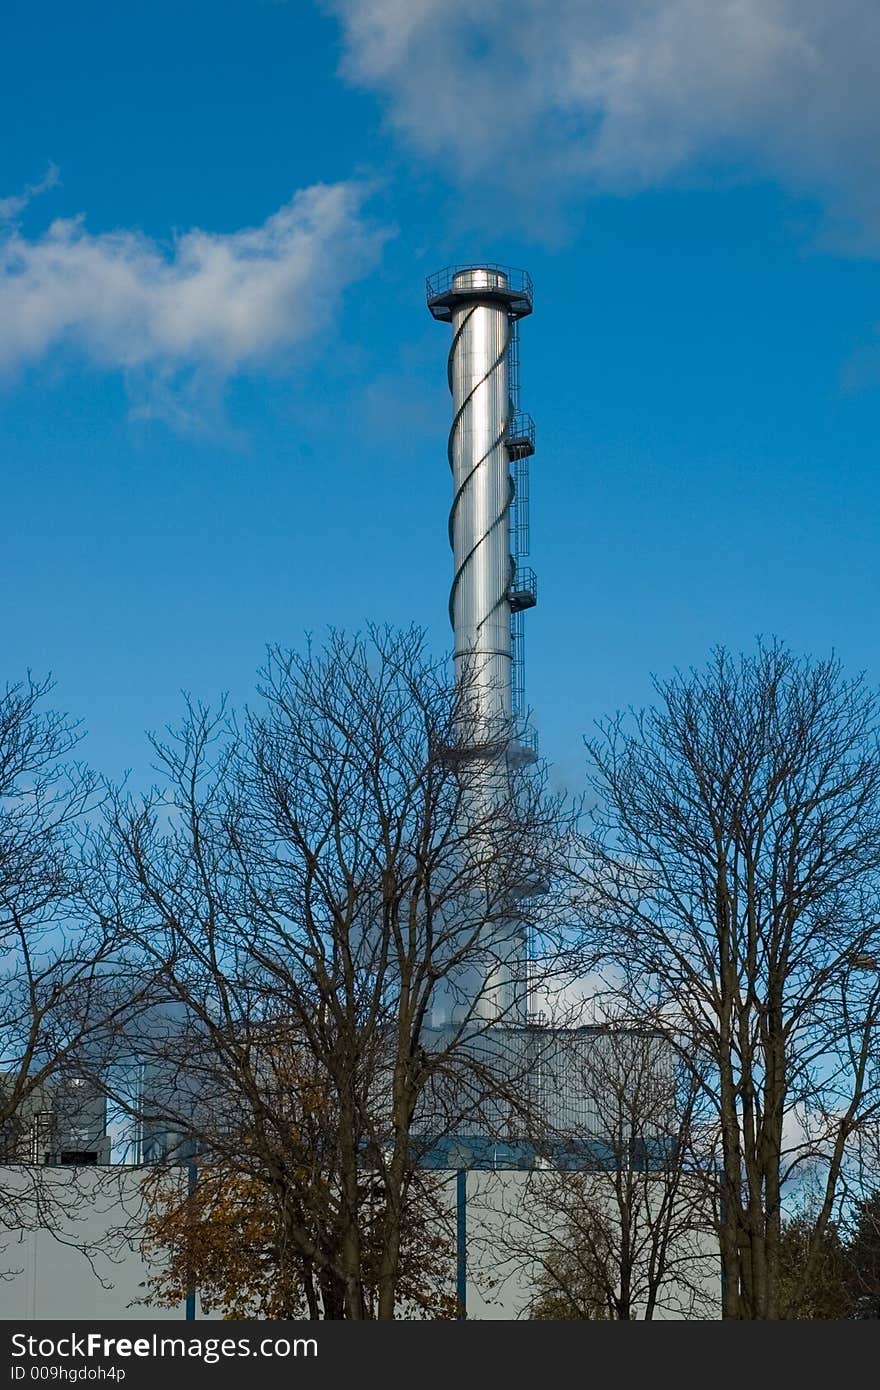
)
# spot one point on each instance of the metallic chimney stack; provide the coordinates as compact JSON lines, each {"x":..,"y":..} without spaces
{"x":487,"y":520}
{"x":490,"y":442}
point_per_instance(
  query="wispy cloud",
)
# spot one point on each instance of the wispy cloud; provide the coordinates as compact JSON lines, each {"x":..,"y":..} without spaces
{"x":13,"y":206}
{"x":210,"y":303}
{"x":582,"y":95}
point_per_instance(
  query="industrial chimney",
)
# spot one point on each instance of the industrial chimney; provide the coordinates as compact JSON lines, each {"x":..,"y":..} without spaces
{"x":490,"y":442}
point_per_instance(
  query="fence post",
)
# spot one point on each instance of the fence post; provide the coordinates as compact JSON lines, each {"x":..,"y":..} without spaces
{"x":192,"y":1177}
{"x":461,"y":1240}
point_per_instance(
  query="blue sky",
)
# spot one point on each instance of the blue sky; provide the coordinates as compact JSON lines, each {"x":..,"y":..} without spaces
{"x":223,"y":402}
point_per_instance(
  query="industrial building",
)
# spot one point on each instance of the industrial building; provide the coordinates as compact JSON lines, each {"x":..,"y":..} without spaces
{"x":62,"y":1123}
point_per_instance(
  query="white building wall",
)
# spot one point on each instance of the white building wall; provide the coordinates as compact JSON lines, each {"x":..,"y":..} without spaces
{"x":92,"y":1266}
{"x":501,"y":1279}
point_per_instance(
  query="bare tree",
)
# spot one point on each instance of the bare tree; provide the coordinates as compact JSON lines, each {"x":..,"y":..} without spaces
{"x":316,"y":881}
{"x":735,"y":878}
{"x":618,"y":1222}
{"x":58,"y":971}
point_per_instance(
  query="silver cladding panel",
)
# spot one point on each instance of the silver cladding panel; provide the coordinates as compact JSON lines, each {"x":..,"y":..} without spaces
{"x":573,"y":1084}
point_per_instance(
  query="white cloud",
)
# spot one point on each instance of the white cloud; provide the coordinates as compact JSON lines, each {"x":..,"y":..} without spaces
{"x":211,"y":303}
{"x":12,"y":207}
{"x":598,"y":96}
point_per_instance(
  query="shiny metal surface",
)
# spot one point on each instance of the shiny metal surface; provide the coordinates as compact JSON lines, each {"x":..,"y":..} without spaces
{"x":482,"y":305}
{"x":479,"y":519}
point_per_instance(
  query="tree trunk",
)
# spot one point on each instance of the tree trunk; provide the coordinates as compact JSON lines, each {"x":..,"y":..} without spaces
{"x":350,"y":1240}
